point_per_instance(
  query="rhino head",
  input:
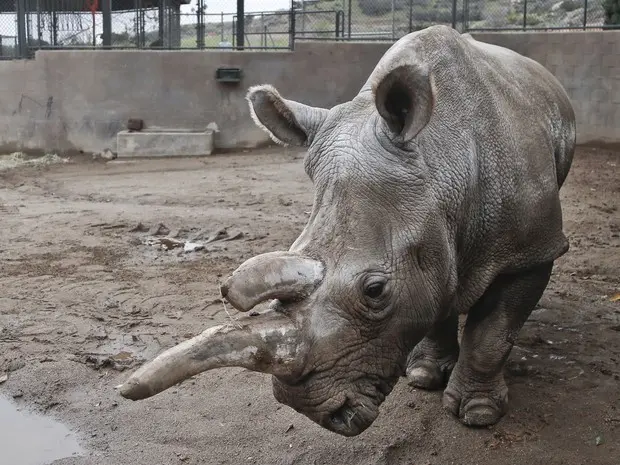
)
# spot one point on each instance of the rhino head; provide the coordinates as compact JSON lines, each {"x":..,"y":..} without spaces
{"x":367,"y":277}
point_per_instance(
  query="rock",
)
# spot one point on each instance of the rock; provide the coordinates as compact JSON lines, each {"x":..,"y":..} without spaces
{"x":4,"y":378}
{"x":15,"y":365}
{"x":193,"y":247}
{"x":159,"y":230}
{"x":106,"y":155}
{"x":139,"y":228}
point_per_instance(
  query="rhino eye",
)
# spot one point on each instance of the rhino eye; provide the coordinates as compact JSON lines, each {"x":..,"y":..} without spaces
{"x":374,"y":290}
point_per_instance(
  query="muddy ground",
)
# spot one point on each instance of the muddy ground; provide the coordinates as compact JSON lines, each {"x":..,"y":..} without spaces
{"x":82,"y":298}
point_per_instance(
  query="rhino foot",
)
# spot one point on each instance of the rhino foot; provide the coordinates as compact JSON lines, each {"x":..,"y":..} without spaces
{"x":431,"y":362}
{"x":429,"y":374}
{"x":480,"y":406}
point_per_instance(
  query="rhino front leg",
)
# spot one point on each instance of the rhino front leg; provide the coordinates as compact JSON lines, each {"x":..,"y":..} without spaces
{"x":477,"y":392}
{"x":430,"y":363}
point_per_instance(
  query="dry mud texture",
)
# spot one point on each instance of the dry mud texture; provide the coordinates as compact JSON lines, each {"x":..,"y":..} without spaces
{"x":82,"y":299}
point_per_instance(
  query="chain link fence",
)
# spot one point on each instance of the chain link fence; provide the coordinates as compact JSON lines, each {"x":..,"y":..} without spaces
{"x":8,"y":30}
{"x":30,"y":25}
{"x":501,"y":15}
{"x":392,"y":19}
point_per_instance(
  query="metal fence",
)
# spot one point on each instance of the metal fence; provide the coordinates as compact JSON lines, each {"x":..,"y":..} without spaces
{"x":29,"y":25}
{"x":535,"y":15}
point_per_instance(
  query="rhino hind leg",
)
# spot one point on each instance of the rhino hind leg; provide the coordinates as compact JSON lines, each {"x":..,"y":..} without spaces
{"x":430,"y":363}
{"x":477,"y":392}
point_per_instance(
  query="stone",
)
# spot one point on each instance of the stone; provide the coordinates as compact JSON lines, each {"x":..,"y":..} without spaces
{"x":164,"y":143}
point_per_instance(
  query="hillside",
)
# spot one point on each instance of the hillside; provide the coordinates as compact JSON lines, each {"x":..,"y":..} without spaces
{"x":375,"y":17}
{"x":369,"y":19}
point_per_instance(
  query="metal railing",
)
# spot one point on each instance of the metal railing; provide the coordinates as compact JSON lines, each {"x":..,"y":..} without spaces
{"x":30,"y":25}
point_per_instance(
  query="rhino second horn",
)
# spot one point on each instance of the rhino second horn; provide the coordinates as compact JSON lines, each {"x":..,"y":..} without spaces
{"x":266,"y":343}
{"x":274,"y":275}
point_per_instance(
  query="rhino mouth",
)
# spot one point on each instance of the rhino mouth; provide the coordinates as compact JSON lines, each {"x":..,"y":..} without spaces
{"x":348,"y":413}
{"x":353,"y":417}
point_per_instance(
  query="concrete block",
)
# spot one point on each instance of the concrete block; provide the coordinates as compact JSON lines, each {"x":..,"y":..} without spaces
{"x":164,"y":143}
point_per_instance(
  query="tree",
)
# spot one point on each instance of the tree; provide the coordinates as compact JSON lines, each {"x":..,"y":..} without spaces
{"x":612,"y":12}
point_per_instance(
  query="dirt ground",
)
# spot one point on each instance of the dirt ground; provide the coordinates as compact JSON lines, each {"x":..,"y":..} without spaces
{"x":84,"y":300}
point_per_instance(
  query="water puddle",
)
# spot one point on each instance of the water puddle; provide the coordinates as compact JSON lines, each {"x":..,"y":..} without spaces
{"x":27,"y":438}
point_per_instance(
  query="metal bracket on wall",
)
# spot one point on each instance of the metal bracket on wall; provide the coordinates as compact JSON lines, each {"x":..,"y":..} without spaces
{"x":228,"y":75}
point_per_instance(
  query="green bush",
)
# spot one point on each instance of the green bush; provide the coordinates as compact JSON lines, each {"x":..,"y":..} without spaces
{"x":570,"y":5}
{"x":380,"y":7}
{"x":611,"y":9}
{"x":534,"y":19}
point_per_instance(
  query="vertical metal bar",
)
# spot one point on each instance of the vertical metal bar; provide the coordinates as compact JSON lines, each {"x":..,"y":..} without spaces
{"x":453,"y":14}
{"x":303,"y":18}
{"x":410,"y":16}
{"x":291,"y":40}
{"x":106,"y":12}
{"x":21,"y":28}
{"x":264,"y":29}
{"x":39,"y":22}
{"x":524,"y":15}
{"x":585,"y":14}
{"x":393,"y":21}
{"x":54,"y":27}
{"x":240,"y":24}
{"x":222,"y":26}
{"x":199,"y":26}
{"x":340,"y":24}
{"x":93,"y":15}
{"x":161,"y":22}
{"x":465,"y":23}
{"x":349,"y":18}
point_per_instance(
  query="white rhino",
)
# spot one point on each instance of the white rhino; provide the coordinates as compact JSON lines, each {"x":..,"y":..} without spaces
{"x":436,"y":195}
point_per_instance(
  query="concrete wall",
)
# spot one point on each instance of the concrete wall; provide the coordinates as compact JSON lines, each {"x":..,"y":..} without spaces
{"x":588,"y":66}
{"x":79,"y":100}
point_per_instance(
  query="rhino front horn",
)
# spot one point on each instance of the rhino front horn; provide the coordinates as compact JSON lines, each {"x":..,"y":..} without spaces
{"x":266,"y":343}
{"x":273,"y":275}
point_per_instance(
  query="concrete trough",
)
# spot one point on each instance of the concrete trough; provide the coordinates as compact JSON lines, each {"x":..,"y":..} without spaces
{"x":164,"y":143}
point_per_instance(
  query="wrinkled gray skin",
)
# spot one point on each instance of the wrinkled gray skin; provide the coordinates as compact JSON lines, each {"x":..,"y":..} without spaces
{"x":436,"y":194}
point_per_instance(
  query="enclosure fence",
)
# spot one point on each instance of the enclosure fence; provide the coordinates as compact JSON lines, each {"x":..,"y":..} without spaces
{"x":30,"y":25}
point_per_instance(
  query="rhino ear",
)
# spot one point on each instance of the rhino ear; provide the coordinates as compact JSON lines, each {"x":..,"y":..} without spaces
{"x":404,"y":98}
{"x":287,"y":122}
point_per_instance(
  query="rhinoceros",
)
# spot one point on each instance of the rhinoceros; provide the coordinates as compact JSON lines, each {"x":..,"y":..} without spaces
{"x":436,"y":195}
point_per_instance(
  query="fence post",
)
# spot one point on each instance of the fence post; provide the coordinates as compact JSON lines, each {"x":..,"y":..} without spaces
{"x":465,"y":15}
{"x":200,"y":25}
{"x":291,"y":37}
{"x":106,"y":13}
{"x":222,"y":26}
{"x":410,"y":16}
{"x":303,"y":18}
{"x":524,"y":15}
{"x":161,"y":22}
{"x":453,"y":14}
{"x":349,"y":18}
{"x":240,"y":24}
{"x":393,"y":20}
{"x":585,"y":14}
{"x":39,"y":28}
{"x":340,"y":24}
{"x":21,"y":28}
